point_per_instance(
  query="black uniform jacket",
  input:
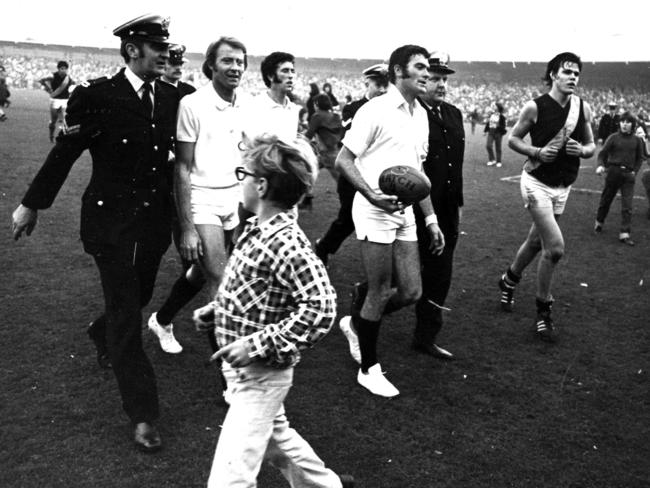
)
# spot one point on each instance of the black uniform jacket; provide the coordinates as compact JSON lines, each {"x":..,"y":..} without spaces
{"x":444,"y":162}
{"x":128,"y":199}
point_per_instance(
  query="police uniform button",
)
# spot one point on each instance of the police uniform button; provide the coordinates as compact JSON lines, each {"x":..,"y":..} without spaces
{"x":154,"y":169}
{"x":124,"y":141}
{"x":146,"y":204}
{"x":153,"y":190}
{"x":155,"y":148}
{"x":100,"y":203}
{"x":448,"y":147}
{"x":153,"y":126}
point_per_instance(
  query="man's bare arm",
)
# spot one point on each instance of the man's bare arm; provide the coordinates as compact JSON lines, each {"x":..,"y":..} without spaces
{"x":190,"y":245}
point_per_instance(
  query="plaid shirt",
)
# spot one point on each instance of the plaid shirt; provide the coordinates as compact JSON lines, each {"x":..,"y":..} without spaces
{"x":275,"y":293}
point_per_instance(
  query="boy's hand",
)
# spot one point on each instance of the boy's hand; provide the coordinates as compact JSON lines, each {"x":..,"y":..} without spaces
{"x":236,"y":354}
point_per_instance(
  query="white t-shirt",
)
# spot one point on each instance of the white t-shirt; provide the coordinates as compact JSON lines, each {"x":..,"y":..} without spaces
{"x":216,"y":127}
{"x":266,"y":116}
{"x":385,"y":134}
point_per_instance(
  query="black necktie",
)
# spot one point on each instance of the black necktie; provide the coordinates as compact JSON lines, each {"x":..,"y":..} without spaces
{"x":146,"y":99}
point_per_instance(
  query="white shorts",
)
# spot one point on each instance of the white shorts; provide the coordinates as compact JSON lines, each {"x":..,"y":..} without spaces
{"x":538,"y":195}
{"x":216,"y":206}
{"x":376,"y":225}
{"x":58,"y":103}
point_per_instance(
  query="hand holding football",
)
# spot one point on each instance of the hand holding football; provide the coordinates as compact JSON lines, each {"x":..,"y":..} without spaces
{"x":407,"y":183}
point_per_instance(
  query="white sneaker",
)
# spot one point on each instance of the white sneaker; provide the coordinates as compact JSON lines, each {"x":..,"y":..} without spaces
{"x":498,"y":165}
{"x":375,"y":381}
{"x":345,"y":324}
{"x":165,"y":334}
{"x":491,"y":163}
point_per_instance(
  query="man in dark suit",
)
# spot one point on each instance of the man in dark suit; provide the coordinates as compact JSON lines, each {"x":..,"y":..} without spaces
{"x":608,"y":123}
{"x":444,"y":167}
{"x":127,"y":123}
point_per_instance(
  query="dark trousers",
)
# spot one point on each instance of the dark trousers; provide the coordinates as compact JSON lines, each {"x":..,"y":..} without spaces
{"x":617,"y":179}
{"x":436,"y":276}
{"x":128,"y":279}
{"x":494,"y":139}
{"x":343,"y":225}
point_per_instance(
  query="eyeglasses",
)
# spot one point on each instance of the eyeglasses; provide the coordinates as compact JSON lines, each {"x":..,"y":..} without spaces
{"x":241,"y":173}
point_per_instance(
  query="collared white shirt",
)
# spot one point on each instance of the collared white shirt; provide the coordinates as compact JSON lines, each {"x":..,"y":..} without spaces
{"x":269,"y":117}
{"x":215,"y":126}
{"x":385,"y":134}
{"x":138,"y":83}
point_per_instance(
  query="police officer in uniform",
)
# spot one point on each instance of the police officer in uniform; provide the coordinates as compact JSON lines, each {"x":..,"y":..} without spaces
{"x":127,"y":123}
{"x":174,"y":70}
{"x":444,"y":167}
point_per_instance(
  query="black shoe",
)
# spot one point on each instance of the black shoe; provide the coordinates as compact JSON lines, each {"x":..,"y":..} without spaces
{"x":3,"y":117}
{"x":322,"y":254}
{"x":627,"y":241}
{"x":507,"y":295}
{"x":433,"y":350}
{"x":598,"y":227}
{"x":545,"y":328}
{"x":359,"y":292}
{"x":99,"y":339}
{"x":147,"y":438}
{"x":347,"y":480}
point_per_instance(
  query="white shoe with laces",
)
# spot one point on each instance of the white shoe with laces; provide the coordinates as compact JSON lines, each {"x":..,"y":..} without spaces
{"x":375,"y":381}
{"x":345,"y":324}
{"x":165,"y":334}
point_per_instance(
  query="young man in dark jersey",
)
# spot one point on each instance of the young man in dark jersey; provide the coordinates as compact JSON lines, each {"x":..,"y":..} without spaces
{"x":559,"y":125}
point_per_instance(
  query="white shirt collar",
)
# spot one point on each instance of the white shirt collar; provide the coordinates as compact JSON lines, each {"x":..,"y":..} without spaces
{"x":136,"y":81}
{"x":398,"y":99}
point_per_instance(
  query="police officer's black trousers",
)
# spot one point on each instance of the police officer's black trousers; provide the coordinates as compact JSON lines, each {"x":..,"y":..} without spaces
{"x":343,"y":226}
{"x":128,"y":277}
{"x":436,"y":277}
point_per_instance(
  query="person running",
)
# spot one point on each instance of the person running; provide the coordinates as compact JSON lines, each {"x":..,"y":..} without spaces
{"x":559,"y":125}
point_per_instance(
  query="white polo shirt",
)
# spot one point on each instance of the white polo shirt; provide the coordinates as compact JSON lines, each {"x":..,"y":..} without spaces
{"x":385,"y":133}
{"x":266,"y":116}
{"x":216,"y":127}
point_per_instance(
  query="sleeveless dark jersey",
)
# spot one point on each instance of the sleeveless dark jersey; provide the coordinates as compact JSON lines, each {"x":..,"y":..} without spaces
{"x":551,"y":117}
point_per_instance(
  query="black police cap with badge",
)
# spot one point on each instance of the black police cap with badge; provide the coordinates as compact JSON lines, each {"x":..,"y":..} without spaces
{"x":176,"y":55}
{"x":376,"y":71}
{"x":148,"y":27}
{"x":439,"y":62}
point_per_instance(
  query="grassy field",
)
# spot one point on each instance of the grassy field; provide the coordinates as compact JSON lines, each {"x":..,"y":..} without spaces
{"x":510,"y":412}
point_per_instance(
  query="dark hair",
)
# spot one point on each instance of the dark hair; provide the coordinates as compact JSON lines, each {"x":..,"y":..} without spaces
{"x":313,"y":89}
{"x":139,"y":43}
{"x":211,"y":53}
{"x":401,"y":57}
{"x":289,"y":167}
{"x":62,"y":64}
{"x":323,"y":101}
{"x":499,"y":107}
{"x":270,"y":65}
{"x":326,"y":86}
{"x":629,"y":117}
{"x":556,"y":63}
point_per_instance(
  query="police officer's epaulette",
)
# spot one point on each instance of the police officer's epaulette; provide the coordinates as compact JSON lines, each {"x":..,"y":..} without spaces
{"x":94,"y":82}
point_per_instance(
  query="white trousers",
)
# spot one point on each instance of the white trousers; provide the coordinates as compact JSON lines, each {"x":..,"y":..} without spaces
{"x":256,"y":429}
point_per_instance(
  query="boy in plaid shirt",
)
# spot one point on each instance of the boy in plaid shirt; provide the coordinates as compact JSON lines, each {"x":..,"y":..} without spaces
{"x":275,"y":300}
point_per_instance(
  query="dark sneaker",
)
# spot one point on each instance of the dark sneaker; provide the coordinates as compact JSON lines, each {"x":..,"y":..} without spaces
{"x":98,"y":336}
{"x":545,"y":328}
{"x":507,"y":295}
{"x":627,"y":241}
{"x":598,"y":227}
{"x":347,"y":480}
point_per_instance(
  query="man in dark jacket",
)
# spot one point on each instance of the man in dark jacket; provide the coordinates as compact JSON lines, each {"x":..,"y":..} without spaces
{"x":444,"y":167}
{"x":608,"y":123}
{"x":127,"y":123}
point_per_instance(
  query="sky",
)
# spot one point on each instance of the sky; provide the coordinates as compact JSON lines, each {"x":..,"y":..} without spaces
{"x":469,"y":30}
